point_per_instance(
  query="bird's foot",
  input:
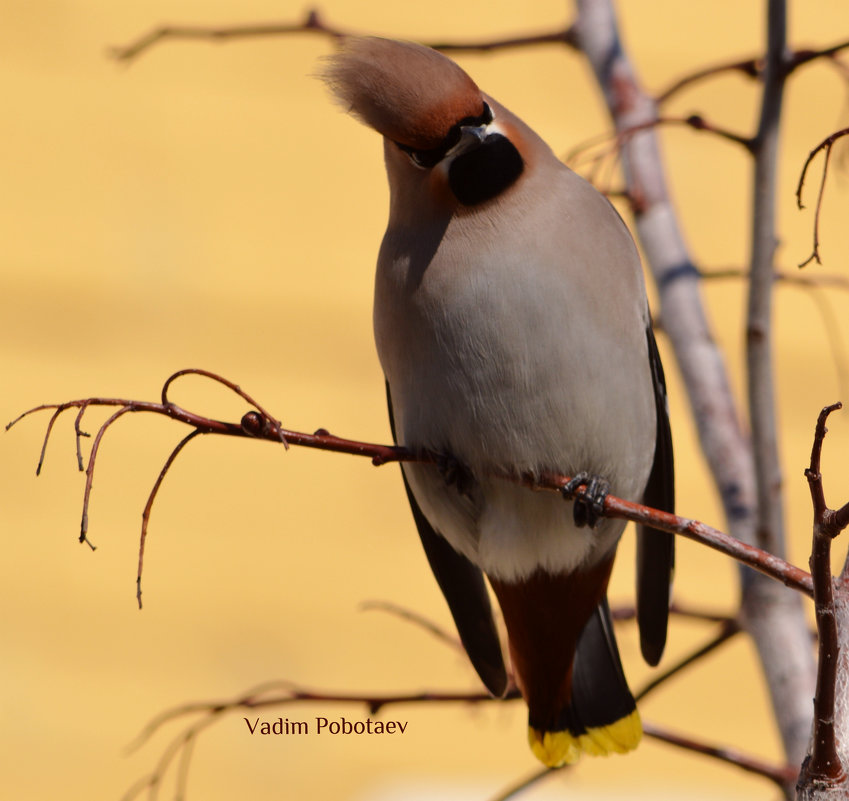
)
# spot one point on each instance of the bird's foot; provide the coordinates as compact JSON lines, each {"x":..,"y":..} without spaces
{"x":455,"y":474}
{"x":589,"y":506}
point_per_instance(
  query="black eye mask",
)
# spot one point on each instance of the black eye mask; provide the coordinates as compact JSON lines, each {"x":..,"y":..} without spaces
{"x":432,"y":157}
{"x":484,"y":172}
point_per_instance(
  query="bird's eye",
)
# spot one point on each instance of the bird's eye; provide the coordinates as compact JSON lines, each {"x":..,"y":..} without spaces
{"x":432,"y":156}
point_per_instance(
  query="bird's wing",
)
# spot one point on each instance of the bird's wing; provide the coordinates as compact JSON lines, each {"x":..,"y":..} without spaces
{"x":463,"y":586}
{"x":656,"y":549}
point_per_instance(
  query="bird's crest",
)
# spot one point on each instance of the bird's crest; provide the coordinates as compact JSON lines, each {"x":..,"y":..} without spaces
{"x":409,"y":93}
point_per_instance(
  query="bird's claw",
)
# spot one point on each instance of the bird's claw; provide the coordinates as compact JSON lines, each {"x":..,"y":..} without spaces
{"x":455,"y":473}
{"x":589,"y":505}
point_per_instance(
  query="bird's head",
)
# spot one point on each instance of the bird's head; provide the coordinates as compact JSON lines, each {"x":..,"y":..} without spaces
{"x":441,"y":131}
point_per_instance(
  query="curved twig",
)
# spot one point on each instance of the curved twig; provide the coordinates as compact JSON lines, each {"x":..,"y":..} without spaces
{"x":825,"y":145}
{"x":89,"y":473}
{"x":149,"y":505}
{"x":409,"y":616}
{"x":750,"y":67}
{"x":271,"y":427}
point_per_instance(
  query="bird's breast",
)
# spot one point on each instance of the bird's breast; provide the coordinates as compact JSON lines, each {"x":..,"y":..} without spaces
{"x":507,"y":360}
{"x":507,"y":348}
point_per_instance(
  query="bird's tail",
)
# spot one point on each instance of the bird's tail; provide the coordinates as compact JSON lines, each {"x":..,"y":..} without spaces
{"x":602,"y":716}
{"x":567,"y":665}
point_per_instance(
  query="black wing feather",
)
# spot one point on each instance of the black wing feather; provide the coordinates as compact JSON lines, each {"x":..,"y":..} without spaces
{"x":463,"y":586}
{"x":656,"y":549}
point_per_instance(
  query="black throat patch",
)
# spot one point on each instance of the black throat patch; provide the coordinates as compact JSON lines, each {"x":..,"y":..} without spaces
{"x":484,"y":172}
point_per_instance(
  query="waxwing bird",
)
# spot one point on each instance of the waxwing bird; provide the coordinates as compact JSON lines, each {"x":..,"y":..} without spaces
{"x":512,"y":326}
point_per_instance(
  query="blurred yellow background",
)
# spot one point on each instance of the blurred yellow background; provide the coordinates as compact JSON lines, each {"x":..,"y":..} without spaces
{"x":208,"y":206}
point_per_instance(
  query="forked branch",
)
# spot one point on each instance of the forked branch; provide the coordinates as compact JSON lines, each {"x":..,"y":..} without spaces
{"x":259,"y":424}
{"x":824,"y":766}
{"x":283,"y":693}
{"x":314,"y":22}
{"x":826,"y":145}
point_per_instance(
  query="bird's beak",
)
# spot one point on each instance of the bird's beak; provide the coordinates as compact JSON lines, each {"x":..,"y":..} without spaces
{"x":471,"y":136}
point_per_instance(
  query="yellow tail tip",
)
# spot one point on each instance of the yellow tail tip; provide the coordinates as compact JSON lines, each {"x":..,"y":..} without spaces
{"x":557,"y":748}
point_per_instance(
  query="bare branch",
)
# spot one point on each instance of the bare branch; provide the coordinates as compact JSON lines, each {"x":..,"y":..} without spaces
{"x":259,"y":424}
{"x":79,"y":435}
{"x":274,"y":694}
{"x":282,"y":693}
{"x":565,"y":36}
{"x":529,"y":781}
{"x":609,"y":146}
{"x":806,"y":280}
{"x":802,"y":56}
{"x":149,"y":505}
{"x":759,"y":333}
{"x":825,"y":145}
{"x":824,"y":765}
{"x":781,"y":775}
{"x":89,"y":473}
{"x":615,"y":140}
{"x":416,"y":619}
{"x":44,"y":444}
{"x":750,"y":555}
{"x":620,"y":613}
{"x":314,"y":23}
{"x":751,"y":67}
{"x":816,"y":285}
{"x":728,"y":630}
{"x":770,"y":615}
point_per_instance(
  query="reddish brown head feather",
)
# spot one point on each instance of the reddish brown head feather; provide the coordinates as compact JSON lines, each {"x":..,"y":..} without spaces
{"x":407,"y":92}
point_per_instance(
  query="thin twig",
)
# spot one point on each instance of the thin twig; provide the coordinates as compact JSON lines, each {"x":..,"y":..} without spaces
{"x":529,"y":781}
{"x":676,"y":609}
{"x":609,"y":146}
{"x":825,"y":145}
{"x":782,"y":775}
{"x":563,"y":36}
{"x":269,"y":427}
{"x":416,"y":619}
{"x":616,"y":139}
{"x":44,"y":444}
{"x":314,"y":23}
{"x":816,"y":285}
{"x":729,"y":629}
{"x":311,"y":23}
{"x":89,"y":473}
{"x":149,"y":505}
{"x":806,"y":280}
{"x":79,"y":434}
{"x":751,"y":67}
